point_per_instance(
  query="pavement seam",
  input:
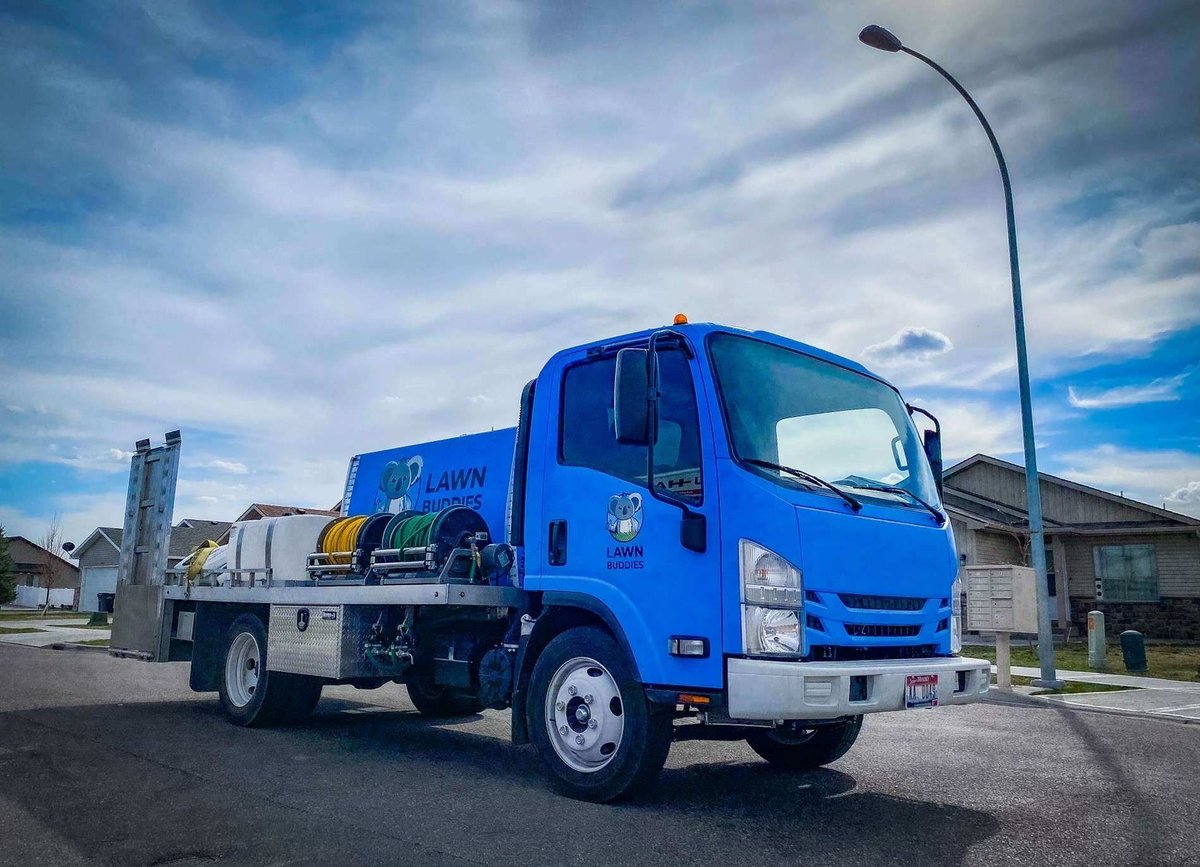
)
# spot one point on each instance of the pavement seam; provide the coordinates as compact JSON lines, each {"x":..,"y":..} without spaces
{"x":23,"y":715}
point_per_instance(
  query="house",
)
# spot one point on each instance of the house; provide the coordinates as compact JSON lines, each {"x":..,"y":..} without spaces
{"x":1137,"y":563}
{"x":35,"y":567}
{"x":100,"y":553}
{"x":258,"y":511}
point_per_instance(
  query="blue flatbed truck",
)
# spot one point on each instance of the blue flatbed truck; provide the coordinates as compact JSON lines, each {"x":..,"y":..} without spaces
{"x":693,"y":532}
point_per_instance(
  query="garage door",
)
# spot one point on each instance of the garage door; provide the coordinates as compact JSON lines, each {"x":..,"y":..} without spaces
{"x":96,"y":579}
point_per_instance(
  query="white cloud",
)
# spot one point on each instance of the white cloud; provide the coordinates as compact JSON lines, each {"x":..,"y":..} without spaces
{"x":1150,"y":476}
{"x":236,"y":468}
{"x":1186,"y":497}
{"x":393,"y":239}
{"x":912,"y":344}
{"x":1155,"y":391}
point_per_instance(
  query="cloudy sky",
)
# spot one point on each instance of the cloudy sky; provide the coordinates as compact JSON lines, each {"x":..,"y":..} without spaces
{"x":302,"y":236}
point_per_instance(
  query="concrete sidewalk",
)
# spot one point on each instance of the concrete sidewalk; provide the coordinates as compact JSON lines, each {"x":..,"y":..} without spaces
{"x":1108,"y":679}
{"x":53,"y":631}
{"x":1151,"y":697}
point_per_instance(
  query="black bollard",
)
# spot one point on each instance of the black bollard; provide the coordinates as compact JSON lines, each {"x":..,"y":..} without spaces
{"x":1133,"y":650}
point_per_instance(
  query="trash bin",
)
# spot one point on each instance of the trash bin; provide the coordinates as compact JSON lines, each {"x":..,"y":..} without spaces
{"x":105,"y":601}
{"x":1133,"y":650}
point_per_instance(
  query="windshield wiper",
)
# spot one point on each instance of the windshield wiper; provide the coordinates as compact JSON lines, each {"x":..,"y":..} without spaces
{"x":807,"y":477}
{"x":895,"y":489}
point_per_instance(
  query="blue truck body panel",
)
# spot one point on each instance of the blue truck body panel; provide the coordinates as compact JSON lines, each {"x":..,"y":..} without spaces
{"x":469,"y":470}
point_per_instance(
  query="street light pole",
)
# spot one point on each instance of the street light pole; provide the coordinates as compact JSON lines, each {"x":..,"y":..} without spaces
{"x":876,"y":37}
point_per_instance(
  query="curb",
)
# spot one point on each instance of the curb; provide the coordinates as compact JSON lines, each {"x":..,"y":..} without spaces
{"x":60,"y":645}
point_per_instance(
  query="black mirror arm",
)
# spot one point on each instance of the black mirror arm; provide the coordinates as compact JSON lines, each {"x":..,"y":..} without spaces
{"x":937,"y":425}
{"x":692,"y":531}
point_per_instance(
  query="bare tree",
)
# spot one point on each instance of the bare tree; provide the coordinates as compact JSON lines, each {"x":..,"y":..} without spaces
{"x":52,"y":556}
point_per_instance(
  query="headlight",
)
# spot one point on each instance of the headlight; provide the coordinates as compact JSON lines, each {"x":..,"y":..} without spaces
{"x":772,"y":599}
{"x":956,"y":616}
{"x":772,"y":630}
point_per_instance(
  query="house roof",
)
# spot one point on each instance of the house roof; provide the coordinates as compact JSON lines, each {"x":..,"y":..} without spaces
{"x":184,"y":540}
{"x":994,"y":512}
{"x":111,"y":535}
{"x":185,"y":537}
{"x":267,"y":510}
{"x":42,"y":550}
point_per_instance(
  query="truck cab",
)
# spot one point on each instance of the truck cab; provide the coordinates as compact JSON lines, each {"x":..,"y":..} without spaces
{"x":756,"y":520}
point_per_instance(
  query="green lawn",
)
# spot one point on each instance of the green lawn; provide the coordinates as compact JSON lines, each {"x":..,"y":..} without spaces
{"x":94,"y":642}
{"x":26,"y":614}
{"x":16,"y":630}
{"x":1174,"y":662}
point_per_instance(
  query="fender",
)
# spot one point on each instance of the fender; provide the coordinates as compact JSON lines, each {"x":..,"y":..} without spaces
{"x":557,"y":607}
{"x":570,"y":599}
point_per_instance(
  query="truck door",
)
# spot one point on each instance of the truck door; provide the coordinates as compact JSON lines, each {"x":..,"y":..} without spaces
{"x":606,"y":539}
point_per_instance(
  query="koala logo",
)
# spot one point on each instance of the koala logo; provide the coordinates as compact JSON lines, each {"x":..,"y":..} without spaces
{"x":398,"y":485}
{"x":625,"y":516}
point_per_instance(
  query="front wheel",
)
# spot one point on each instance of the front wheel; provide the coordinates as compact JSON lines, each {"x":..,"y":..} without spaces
{"x":805,"y":749}
{"x":597,"y":734}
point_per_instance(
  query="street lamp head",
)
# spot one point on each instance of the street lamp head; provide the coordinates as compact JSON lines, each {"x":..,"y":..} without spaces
{"x":877,"y":37}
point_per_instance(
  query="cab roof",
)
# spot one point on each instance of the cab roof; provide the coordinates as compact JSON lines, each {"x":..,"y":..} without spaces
{"x":698,"y":332}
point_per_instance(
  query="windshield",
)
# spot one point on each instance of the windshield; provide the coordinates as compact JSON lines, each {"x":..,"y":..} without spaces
{"x":792,"y":409}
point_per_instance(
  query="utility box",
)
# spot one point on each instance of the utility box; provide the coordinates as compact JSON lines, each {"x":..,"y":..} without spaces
{"x":1001,"y":599}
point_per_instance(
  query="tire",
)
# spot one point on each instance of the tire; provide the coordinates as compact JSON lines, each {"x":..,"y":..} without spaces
{"x":440,"y":701}
{"x":626,"y":748}
{"x":265,"y":697}
{"x":811,"y":749}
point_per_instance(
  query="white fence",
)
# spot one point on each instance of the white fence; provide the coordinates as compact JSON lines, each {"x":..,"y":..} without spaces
{"x":35,"y":597}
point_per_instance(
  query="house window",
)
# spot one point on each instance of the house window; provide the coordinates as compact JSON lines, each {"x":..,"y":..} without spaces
{"x":1126,"y":573}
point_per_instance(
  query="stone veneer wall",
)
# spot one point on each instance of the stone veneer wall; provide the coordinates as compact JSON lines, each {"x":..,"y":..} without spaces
{"x":1167,"y":618}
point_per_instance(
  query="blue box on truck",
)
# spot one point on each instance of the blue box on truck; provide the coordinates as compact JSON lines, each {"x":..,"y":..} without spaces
{"x":470,"y":470}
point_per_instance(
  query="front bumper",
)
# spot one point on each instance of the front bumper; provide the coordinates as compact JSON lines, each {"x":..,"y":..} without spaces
{"x":774,"y":689}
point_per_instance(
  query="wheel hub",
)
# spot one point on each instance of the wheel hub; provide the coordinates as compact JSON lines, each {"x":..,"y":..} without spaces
{"x":242,"y":669}
{"x":585,"y":714}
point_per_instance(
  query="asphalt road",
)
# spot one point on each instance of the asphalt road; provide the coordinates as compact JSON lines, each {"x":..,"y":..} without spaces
{"x":117,"y":762}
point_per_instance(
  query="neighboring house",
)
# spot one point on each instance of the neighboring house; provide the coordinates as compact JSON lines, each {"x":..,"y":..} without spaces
{"x":258,"y":511}
{"x":1137,"y":563}
{"x":34,"y":566}
{"x":100,"y":553}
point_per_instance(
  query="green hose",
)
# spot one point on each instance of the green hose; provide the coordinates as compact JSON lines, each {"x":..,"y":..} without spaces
{"x":413,"y":532}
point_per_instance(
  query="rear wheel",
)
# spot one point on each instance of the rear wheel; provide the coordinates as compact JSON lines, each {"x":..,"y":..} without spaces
{"x":250,"y":694}
{"x":804,"y":749}
{"x":597,"y":734}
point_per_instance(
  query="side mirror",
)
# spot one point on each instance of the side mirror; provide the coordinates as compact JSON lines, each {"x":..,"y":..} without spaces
{"x":631,"y":397}
{"x":933,"y":450}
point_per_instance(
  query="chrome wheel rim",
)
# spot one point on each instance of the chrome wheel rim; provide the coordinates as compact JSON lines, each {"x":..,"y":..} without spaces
{"x":585,"y":714}
{"x":242,"y":668}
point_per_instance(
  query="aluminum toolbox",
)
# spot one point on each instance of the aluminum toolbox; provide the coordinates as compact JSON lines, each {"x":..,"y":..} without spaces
{"x":321,"y":640}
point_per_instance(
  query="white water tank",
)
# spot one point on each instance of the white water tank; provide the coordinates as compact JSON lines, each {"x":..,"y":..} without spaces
{"x":279,"y":544}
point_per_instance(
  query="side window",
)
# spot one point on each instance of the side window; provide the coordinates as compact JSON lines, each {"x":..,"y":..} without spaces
{"x":588,"y":437}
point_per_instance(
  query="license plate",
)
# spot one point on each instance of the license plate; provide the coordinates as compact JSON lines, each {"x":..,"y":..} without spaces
{"x":920,"y":690}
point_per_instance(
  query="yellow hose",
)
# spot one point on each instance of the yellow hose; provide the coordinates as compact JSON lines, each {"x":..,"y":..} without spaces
{"x":199,"y":556}
{"x":342,"y":536}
